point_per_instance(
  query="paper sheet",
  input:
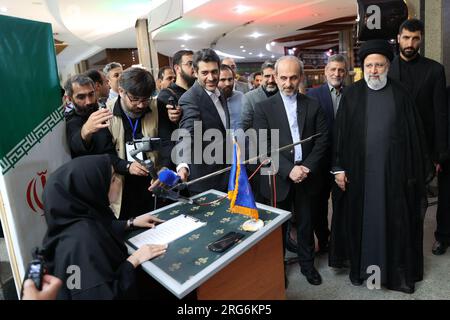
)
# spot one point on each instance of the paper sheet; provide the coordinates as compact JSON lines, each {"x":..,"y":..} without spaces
{"x":168,"y":231}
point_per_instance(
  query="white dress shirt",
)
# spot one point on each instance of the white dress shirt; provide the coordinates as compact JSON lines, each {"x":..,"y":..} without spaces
{"x":215,"y":98}
{"x":290,"y":105}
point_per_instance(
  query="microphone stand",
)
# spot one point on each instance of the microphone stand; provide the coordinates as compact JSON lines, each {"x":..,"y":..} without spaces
{"x":184,"y":185}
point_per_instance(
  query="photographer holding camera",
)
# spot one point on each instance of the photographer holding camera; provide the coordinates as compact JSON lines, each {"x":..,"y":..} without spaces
{"x":135,"y":116}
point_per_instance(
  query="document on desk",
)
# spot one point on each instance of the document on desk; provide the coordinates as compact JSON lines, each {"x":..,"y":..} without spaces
{"x":168,"y":231}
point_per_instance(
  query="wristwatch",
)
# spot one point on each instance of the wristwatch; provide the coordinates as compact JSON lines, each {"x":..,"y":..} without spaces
{"x":130,"y":223}
{"x":128,"y":166}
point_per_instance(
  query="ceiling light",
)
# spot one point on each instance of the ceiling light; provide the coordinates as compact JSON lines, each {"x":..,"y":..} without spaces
{"x":256,"y":35}
{"x":260,"y":55}
{"x":250,"y":53}
{"x":294,"y":49}
{"x":186,"y":37}
{"x":242,"y":47}
{"x":3,"y":9}
{"x":272,"y":56}
{"x":273,"y":43}
{"x":205,"y":25}
{"x":183,"y":46}
{"x":244,"y":50}
{"x":241,"y":9}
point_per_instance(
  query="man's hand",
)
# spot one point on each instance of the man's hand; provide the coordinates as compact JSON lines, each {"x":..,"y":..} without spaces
{"x":146,"y":221}
{"x":146,"y":252}
{"x":174,"y":114}
{"x":184,"y":174}
{"x":299,"y":173}
{"x":50,"y":288}
{"x":138,"y":169}
{"x":96,"y":121}
{"x":438,"y":168}
{"x":341,"y":180}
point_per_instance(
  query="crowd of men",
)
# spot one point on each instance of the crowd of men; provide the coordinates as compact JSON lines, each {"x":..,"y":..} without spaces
{"x":382,"y":139}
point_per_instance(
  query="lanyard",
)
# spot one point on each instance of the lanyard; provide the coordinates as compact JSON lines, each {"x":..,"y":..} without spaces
{"x":133,"y":127}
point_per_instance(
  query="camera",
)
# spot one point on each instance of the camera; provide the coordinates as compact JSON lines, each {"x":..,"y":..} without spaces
{"x":36,"y":269}
{"x":173,"y":102}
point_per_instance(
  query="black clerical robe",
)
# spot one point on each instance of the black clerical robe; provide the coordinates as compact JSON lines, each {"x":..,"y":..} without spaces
{"x":398,"y":189}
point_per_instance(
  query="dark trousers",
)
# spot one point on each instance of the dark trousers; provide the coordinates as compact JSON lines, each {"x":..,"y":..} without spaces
{"x":320,"y":216}
{"x":303,"y":211}
{"x":442,"y":233}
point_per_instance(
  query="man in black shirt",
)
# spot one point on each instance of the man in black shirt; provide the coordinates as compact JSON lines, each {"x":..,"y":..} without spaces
{"x":169,"y":112}
{"x":425,"y":80}
{"x":86,"y":125}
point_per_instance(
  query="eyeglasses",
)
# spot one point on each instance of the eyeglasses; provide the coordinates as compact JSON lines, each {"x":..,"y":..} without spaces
{"x":82,"y":96}
{"x":135,"y":100}
{"x":376,"y":65}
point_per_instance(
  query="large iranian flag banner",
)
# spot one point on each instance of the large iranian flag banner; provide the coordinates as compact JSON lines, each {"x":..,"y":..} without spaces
{"x":32,"y":129}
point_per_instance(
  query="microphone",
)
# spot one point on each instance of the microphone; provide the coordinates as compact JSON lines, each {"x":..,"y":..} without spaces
{"x":168,"y":177}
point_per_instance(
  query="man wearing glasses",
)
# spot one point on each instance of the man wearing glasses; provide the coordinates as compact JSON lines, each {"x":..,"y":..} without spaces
{"x":134,"y":116}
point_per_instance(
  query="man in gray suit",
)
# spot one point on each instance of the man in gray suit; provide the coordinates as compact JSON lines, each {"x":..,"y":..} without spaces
{"x":267,"y":89}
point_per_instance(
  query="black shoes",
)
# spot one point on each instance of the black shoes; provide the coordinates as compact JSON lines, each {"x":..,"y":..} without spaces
{"x":313,"y":276}
{"x":356,"y":281}
{"x":439,"y":248}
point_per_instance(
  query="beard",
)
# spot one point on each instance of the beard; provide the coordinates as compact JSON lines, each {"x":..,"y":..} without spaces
{"x":189,"y":79}
{"x":85,"y":111}
{"x":227,"y":91}
{"x":374,"y":83}
{"x":270,"y":87}
{"x":409,"y":54}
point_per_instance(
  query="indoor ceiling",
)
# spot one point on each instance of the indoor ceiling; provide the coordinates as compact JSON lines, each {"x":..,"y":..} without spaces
{"x":246,"y":29}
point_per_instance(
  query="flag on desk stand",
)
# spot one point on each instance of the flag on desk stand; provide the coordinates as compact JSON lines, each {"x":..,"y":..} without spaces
{"x":240,"y":193}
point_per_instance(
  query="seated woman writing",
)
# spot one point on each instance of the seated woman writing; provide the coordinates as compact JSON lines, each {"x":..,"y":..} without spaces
{"x":83,"y":234}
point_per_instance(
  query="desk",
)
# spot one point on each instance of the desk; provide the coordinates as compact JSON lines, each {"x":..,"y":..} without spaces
{"x":252,"y":269}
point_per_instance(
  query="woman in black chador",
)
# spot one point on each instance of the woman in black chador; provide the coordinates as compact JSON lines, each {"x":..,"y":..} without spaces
{"x":83,"y":234}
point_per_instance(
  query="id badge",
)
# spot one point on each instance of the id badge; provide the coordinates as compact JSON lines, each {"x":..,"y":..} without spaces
{"x":130,"y":147}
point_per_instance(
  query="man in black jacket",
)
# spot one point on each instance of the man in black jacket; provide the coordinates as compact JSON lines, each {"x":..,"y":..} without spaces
{"x":302,"y":170}
{"x":425,"y":80}
{"x":204,"y":108}
{"x":86,"y":125}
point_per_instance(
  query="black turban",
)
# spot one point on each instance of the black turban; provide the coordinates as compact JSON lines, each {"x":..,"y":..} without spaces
{"x":377,"y":46}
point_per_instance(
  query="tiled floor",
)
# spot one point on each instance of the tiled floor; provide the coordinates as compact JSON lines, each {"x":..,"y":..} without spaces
{"x":337,"y":286}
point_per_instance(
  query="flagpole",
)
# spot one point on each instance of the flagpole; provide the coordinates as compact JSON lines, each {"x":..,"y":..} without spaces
{"x":219,"y":172}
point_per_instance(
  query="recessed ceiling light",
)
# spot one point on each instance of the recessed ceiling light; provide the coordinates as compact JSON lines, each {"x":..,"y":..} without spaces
{"x":185,"y":37}
{"x":3,"y":9}
{"x":250,"y":53}
{"x":272,"y":56}
{"x":183,"y":46}
{"x":241,"y":9}
{"x":260,"y":55}
{"x":256,"y":35}
{"x":242,"y":47}
{"x":273,"y":43}
{"x":205,"y":25}
{"x":244,"y":50}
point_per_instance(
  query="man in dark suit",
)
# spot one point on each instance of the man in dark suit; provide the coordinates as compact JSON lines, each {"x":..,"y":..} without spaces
{"x":204,"y":109}
{"x":329,"y":96}
{"x":300,"y":172}
{"x":425,"y":81}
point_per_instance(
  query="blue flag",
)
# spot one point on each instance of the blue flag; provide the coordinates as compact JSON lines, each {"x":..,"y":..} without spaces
{"x":239,"y":190}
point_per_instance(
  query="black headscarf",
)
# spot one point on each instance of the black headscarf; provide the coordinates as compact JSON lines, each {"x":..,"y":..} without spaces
{"x":80,"y":228}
